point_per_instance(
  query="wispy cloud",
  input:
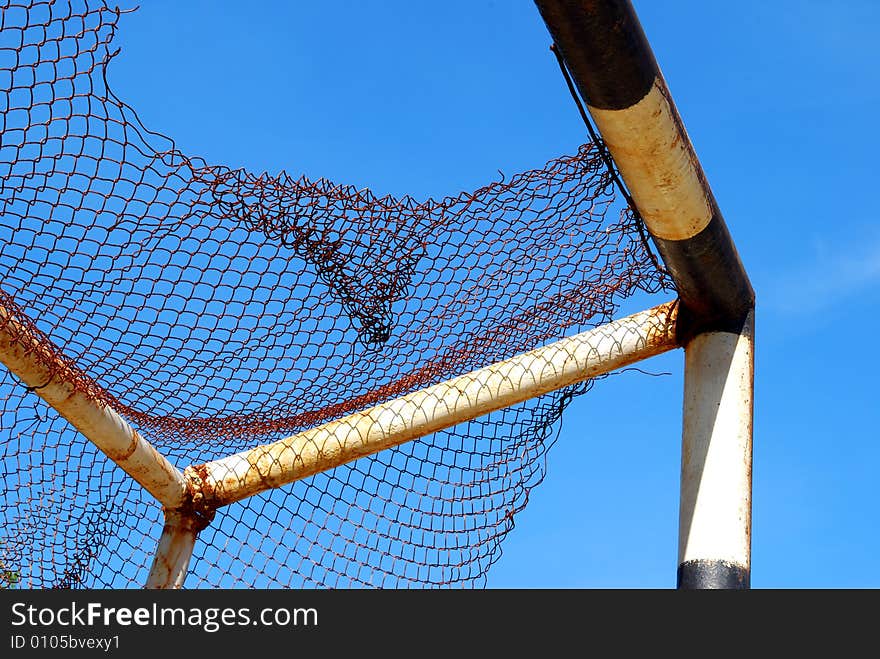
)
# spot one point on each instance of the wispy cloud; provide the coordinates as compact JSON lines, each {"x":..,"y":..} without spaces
{"x":833,"y":273}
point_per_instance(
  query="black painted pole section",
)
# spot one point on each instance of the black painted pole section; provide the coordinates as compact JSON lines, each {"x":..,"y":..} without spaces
{"x":613,"y":66}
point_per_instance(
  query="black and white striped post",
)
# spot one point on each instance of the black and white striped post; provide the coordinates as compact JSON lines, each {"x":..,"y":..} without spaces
{"x":605,"y":49}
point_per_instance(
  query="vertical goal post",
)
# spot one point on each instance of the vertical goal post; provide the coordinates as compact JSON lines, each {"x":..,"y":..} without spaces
{"x":611,"y":61}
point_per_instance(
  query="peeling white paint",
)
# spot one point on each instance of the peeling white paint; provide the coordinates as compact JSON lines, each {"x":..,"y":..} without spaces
{"x":658,"y":164}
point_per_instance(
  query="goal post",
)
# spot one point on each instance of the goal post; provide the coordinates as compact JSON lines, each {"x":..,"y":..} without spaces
{"x":610,"y":59}
{"x":550,"y":269}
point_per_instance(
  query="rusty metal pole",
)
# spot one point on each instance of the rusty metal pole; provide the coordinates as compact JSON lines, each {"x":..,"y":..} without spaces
{"x":175,"y":549}
{"x":551,"y":367}
{"x":40,"y":366}
{"x":611,"y":62}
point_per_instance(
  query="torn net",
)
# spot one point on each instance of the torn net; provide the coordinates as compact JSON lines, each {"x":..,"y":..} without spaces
{"x":217,"y":309}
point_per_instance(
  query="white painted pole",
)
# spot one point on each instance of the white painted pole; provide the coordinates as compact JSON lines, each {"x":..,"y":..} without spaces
{"x":37,"y":363}
{"x":437,"y":407}
{"x":175,"y":550}
{"x":716,"y":461}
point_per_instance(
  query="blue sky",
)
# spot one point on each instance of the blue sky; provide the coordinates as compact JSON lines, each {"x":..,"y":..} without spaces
{"x":430,"y":98}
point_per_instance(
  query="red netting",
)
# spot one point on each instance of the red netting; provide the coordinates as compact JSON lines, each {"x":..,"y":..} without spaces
{"x":215,"y":309}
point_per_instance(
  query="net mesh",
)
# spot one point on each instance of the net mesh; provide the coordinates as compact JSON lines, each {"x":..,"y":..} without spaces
{"x":216,"y":309}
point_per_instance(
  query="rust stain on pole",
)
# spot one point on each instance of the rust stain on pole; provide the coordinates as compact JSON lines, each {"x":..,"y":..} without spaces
{"x":175,"y":550}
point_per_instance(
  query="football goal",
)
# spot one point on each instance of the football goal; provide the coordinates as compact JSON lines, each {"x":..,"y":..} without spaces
{"x":219,"y":378}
